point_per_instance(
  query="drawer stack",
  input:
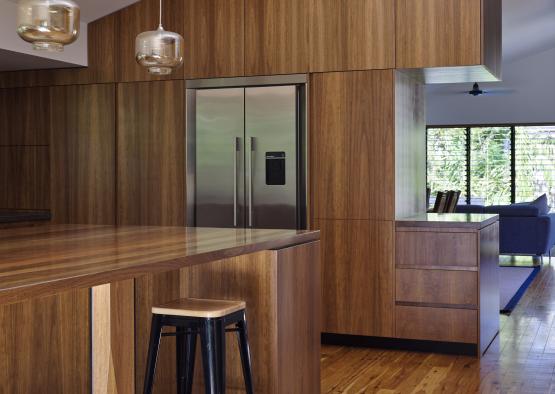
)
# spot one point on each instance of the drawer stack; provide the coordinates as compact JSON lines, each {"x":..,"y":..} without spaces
{"x":438,"y":294}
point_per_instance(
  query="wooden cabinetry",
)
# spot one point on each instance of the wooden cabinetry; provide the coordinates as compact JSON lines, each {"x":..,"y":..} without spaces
{"x":139,"y":17}
{"x":352,"y":35}
{"x":352,"y":145}
{"x":447,"y":286}
{"x":437,"y":34}
{"x":215,"y":38}
{"x":151,"y":153}
{"x":82,"y":148}
{"x":276,"y":36}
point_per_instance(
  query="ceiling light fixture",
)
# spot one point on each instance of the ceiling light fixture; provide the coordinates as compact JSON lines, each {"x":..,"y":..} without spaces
{"x":48,"y":24}
{"x":159,"y":50}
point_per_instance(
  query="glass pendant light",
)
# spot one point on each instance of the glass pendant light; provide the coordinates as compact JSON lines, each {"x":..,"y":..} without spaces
{"x":48,"y":24}
{"x":159,"y":50}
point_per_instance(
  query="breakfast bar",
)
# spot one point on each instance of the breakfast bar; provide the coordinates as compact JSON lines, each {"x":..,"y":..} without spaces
{"x":76,"y":300}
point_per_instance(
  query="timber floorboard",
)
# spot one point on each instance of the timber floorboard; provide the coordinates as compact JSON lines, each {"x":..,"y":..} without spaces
{"x":520,"y":360}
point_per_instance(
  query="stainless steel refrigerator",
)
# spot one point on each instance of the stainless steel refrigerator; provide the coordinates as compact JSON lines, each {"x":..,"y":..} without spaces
{"x":246,"y":154}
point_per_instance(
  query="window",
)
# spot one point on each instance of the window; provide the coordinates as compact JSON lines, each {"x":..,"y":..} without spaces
{"x":492,"y":164}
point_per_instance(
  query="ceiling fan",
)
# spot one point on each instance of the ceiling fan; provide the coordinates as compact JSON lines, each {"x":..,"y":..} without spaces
{"x":477,"y":91}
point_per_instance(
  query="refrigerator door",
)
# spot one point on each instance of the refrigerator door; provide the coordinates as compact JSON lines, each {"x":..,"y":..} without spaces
{"x":271,"y":156}
{"x":219,"y":134}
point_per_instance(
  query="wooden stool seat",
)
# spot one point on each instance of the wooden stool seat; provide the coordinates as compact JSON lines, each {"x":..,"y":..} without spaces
{"x":196,"y":307}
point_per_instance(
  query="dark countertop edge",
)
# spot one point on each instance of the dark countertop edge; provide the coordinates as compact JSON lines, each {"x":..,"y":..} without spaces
{"x":477,"y":225}
{"x":48,"y":288}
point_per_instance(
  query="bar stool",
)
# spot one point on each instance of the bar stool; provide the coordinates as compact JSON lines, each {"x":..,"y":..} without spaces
{"x":209,"y":318}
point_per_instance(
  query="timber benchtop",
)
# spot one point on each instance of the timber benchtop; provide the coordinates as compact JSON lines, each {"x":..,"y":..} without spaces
{"x":47,"y":259}
{"x":448,"y":220}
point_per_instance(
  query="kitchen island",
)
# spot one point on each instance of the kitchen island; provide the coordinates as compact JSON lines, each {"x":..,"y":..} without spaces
{"x":446,"y":280}
{"x":75,"y":304}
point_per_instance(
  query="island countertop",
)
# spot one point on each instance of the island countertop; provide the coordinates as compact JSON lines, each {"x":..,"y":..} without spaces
{"x":46,"y":259}
{"x":448,"y":220}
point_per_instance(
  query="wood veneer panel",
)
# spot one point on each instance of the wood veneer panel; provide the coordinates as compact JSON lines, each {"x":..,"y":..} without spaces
{"x":435,"y":33}
{"x":299,"y":316}
{"x":352,"y":145}
{"x":352,"y":35}
{"x":101,"y":36}
{"x":489,"y":285}
{"x":43,"y":342}
{"x":358,"y":277}
{"x":137,"y":18}
{"x":410,"y":147}
{"x":24,"y":116}
{"x":276,"y":37}
{"x":83,"y":154}
{"x":435,"y":249}
{"x":113,"y":337}
{"x":151,"y":153}
{"x":492,"y":35}
{"x":437,"y":324}
{"x":151,"y":290}
{"x":215,"y":37}
{"x":437,"y":287}
{"x":24,"y":177}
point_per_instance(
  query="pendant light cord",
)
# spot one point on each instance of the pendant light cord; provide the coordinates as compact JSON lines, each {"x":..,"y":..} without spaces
{"x":160,"y":25}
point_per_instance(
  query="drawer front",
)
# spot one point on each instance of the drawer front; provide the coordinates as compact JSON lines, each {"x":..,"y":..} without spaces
{"x":455,"y":288}
{"x":436,"y":249}
{"x":437,"y":324}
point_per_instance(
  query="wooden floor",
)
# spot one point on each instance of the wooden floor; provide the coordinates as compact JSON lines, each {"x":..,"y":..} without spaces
{"x":521,"y":359}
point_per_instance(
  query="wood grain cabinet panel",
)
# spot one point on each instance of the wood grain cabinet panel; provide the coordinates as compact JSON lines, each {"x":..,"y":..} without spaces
{"x":51,"y":338}
{"x":436,"y":249}
{"x":352,"y":145}
{"x":82,"y":151}
{"x":151,"y":153}
{"x":137,"y":18}
{"x":276,"y":37}
{"x":456,"y":288}
{"x":358,"y":277}
{"x":24,"y":116}
{"x":24,"y":177}
{"x":437,"y":324}
{"x":215,"y":38}
{"x":352,"y":35}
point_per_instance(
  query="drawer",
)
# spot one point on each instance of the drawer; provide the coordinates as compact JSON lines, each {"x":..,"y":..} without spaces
{"x":437,"y":287}
{"x":436,"y":249}
{"x":437,"y":324}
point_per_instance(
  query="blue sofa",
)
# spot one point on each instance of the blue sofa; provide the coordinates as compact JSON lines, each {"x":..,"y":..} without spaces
{"x":524,"y":228}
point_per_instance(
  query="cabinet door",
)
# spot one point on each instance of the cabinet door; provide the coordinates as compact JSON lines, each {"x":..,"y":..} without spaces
{"x":438,"y":33}
{"x":276,"y":36}
{"x":214,"y":37}
{"x":358,"y":277}
{"x":352,"y":35}
{"x":352,"y":145}
{"x":151,"y":153}
{"x":82,"y":149}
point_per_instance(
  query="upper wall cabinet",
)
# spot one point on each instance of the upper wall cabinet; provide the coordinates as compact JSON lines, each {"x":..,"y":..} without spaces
{"x":276,"y":37}
{"x":140,"y":17}
{"x":214,"y":38}
{"x":452,"y":40}
{"x":352,"y":35}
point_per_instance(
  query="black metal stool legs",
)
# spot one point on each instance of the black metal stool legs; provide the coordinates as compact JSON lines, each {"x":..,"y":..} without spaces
{"x":155,"y":334}
{"x":212,"y":336}
{"x":186,"y":344}
{"x":242,"y":336}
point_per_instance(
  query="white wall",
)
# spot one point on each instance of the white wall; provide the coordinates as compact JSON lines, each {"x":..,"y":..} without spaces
{"x":533,"y":99}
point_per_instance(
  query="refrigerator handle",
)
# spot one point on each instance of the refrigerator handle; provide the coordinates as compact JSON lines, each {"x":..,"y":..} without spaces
{"x":251,"y":153}
{"x":236,"y":150}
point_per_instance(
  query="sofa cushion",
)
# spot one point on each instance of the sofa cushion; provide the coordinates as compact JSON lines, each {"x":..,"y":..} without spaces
{"x":541,"y":204}
{"x":513,"y":210}
{"x":470,"y":208}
